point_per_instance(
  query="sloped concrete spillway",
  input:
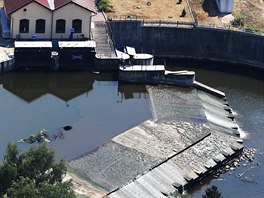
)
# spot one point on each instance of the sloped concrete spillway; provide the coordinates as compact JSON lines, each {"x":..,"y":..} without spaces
{"x":170,"y":152}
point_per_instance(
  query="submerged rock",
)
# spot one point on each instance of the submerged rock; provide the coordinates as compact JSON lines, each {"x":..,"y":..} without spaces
{"x":67,"y":128}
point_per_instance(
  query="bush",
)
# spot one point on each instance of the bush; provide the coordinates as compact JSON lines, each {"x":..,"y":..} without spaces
{"x":239,"y":20}
{"x":104,"y":5}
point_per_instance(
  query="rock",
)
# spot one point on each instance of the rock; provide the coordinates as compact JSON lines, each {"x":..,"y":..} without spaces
{"x":239,"y":141}
{"x":181,"y":130}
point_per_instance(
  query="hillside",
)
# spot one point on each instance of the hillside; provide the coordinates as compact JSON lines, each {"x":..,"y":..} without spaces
{"x":253,"y":10}
{"x":205,"y":10}
{"x":168,"y":10}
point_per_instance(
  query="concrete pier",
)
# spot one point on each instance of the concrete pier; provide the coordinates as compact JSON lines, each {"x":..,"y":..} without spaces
{"x":155,"y":74}
{"x":6,"y":59}
{"x":175,"y":149}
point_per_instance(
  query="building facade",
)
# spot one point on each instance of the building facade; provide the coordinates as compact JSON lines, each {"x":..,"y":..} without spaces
{"x":225,"y":6}
{"x":49,"y":19}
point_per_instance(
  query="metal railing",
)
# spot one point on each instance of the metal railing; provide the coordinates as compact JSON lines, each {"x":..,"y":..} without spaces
{"x":168,"y":23}
{"x":109,"y":34}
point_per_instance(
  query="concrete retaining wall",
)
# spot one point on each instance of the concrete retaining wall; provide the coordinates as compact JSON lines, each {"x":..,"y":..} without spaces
{"x":6,"y":66}
{"x":194,"y":42}
{"x":107,"y":64}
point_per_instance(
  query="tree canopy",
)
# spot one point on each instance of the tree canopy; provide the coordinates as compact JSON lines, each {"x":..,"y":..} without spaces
{"x":212,"y":193}
{"x":33,"y":174}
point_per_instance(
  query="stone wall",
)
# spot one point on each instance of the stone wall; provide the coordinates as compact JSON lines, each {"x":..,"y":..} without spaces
{"x":170,"y":41}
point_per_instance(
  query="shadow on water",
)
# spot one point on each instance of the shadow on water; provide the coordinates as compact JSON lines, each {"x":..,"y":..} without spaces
{"x":95,"y":106}
{"x":208,"y":65}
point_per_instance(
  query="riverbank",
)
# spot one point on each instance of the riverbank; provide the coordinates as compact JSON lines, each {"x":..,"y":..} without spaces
{"x":82,"y":188}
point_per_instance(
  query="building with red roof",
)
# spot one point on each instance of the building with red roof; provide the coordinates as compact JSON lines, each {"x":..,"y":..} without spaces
{"x":49,"y":19}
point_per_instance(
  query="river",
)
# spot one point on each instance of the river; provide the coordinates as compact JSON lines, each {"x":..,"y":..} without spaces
{"x":99,"y":108}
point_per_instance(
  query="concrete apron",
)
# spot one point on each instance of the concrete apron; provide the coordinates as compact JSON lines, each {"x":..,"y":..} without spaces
{"x":171,"y":152}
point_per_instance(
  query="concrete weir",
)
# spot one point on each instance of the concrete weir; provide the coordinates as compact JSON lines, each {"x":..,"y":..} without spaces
{"x":184,"y":141}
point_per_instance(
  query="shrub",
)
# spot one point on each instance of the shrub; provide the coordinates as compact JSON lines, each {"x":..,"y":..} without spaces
{"x":104,"y":5}
{"x":239,"y":20}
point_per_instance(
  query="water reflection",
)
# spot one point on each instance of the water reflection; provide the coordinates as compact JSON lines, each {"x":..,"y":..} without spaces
{"x":29,"y":87}
{"x":126,"y":91}
{"x":88,"y":102}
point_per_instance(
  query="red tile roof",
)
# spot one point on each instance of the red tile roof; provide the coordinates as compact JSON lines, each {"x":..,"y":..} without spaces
{"x":45,"y":3}
{"x":60,"y":3}
{"x":87,"y":4}
{"x":14,"y":5}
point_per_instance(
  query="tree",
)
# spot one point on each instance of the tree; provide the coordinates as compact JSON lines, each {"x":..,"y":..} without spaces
{"x":22,"y":187}
{"x":62,"y":190}
{"x":8,"y":172}
{"x":33,"y":174}
{"x":212,"y":193}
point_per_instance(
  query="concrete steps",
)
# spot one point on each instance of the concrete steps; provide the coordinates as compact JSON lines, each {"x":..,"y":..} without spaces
{"x":104,"y":46}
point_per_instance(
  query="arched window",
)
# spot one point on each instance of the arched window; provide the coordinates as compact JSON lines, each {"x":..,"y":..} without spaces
{"x":24,"y":26}
{"x":77,"y":25}
{"x":40,"y":26}
{"x":60,"y":26}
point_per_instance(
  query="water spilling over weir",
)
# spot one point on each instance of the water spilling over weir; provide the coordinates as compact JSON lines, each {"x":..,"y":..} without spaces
{"x":185,"y":140}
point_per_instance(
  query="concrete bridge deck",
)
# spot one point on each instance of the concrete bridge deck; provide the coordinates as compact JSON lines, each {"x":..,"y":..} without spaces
{"x":170,"y":152}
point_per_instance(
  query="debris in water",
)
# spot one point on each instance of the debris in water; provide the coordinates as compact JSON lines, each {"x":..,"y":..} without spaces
{"x":43,"y":136}
{"x":40,"y":136}
{"x":67,"y":128}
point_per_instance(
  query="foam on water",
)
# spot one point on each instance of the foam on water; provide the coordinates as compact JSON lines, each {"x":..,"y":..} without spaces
{"x":243,"y":134}
{"x":220,"y":121}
